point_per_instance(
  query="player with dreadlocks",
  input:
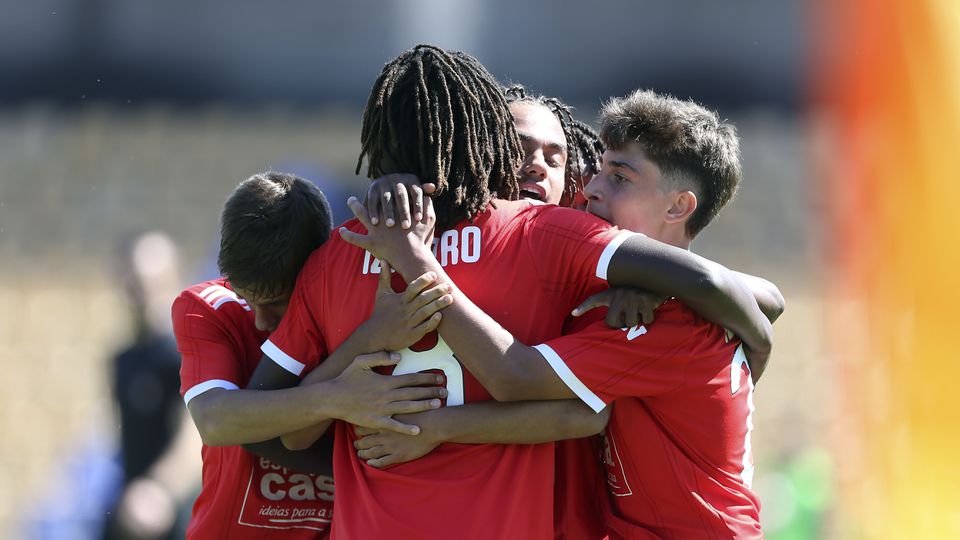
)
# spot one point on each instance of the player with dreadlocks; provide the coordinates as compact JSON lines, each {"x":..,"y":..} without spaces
{"x":546,"y":157}
{"x":443,"y":116}
{"x":442,"y":136}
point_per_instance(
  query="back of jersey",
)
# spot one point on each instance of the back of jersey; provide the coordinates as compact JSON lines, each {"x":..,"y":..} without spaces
{"x":526,"y":266}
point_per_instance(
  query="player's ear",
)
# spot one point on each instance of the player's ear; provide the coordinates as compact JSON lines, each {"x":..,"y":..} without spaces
{"x":682,"y":205}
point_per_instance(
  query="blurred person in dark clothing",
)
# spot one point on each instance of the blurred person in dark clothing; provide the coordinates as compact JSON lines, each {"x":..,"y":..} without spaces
{"x":158,"y":449}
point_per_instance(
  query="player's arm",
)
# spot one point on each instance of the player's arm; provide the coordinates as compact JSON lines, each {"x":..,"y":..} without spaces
{"x":768,"y":296}
{"x":210,"y":367}
{"x":230,"y":417}
{"x":356,"y":389}
{"x":343,"y":388}
{"x":709,"y":288}
{"x":715,"y":292}
{"x":631,"y":306}
{"x":511,"y":370}
{"x":490,"y":422}
{"x":359,"y":395}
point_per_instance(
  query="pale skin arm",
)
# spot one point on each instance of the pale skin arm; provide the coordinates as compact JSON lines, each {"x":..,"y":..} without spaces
{"x":345,"y":389}
{"x":491,"y":422}
{"x":415,"y":313}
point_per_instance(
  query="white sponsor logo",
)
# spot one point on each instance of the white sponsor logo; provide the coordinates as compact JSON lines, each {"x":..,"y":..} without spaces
{"x":278,"y":498}
{"x":280,"y":483}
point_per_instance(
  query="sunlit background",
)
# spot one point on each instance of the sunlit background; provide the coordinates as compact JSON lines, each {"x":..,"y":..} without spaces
{"x":119,"y":118}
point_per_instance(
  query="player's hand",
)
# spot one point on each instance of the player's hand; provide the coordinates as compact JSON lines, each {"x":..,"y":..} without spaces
{"x":627,"y":307}
{"x":402,"y":319}
{"x":392,"y":244}
{"x":383,"y":449}
{"x":758,"y":361}
{"x":397,"y":198}
{"x":366,"y":398}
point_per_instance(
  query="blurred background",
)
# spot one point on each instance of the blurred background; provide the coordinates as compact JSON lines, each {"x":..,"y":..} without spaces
{"x":125,"y":125}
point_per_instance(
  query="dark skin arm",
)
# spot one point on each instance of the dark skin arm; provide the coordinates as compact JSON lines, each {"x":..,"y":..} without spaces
{"x":768,"y":296}
{"x":316,"y":459}
{"x":708,"y":288}
{"x":511,"y":370}
{"x":489,"y":422}
{"x":629,"y":306}
{"x":718,"y":294}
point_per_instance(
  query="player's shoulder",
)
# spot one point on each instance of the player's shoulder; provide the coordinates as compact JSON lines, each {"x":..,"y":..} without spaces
{"x":335,"y":245}
{"x":334,"y":249}
{"x":212,"y":295}
{"x":536,"y":214}
{"x":553,"y":216}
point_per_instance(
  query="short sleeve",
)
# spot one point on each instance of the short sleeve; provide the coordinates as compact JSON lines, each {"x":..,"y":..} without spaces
{"x":209,"y":356}
{"x":297,"y":345}
{"x":572,"y":249}
{"x":600,"y":364}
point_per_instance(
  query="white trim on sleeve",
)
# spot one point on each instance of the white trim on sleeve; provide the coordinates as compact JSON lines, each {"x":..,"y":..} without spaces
{"x":200,"y":388}
{"x":568,"y":377}
{"x":604,"y":263}
{"x":281,"y":358}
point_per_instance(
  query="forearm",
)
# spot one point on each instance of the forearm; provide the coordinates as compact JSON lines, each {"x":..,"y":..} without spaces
{"x":708,"y":288}
{"x":316,"y":458}
{"x":355,"y":345}
{"x":529,"y":422}
{"x":234,"y":417}
{"x":767,"y":295}
{"x":507,"y":368}
{"x":359,"y":342}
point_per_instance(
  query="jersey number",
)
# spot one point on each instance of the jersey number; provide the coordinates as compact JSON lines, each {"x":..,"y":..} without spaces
{"x":438,"y":357}
{"x":740,"y":371}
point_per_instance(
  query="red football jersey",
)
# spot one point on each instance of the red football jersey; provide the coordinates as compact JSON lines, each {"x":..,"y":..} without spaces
{"x":580,"y":491}
{"x":527,"y":266}
{"x":677,"y":448}
{"x":243,"y":496}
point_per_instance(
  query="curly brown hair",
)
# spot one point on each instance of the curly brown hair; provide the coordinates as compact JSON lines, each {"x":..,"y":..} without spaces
{"x":693,"y":147}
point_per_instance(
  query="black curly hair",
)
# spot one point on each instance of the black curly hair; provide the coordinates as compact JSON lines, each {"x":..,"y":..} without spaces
{"x":443,"y":117}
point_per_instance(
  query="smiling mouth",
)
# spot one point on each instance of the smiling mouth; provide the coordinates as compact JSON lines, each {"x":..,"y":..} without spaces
{"x":532,"y":191}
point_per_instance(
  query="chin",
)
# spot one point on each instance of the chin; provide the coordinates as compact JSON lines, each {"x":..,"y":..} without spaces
{"x":593,"y":211}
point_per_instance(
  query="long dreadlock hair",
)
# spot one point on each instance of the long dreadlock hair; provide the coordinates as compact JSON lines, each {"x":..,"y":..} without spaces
{"x":443,"y":117}
{"x":583,"y":144}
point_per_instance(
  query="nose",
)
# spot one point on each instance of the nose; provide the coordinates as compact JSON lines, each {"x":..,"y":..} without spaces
{"x":592,"y":191}
{"x":534,"y":165}
{"x":265,"y":322}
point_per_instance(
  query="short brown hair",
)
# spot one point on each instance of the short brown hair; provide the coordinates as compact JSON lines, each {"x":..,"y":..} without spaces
{"x":694,"y":149}
{"x":269,"y":226}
